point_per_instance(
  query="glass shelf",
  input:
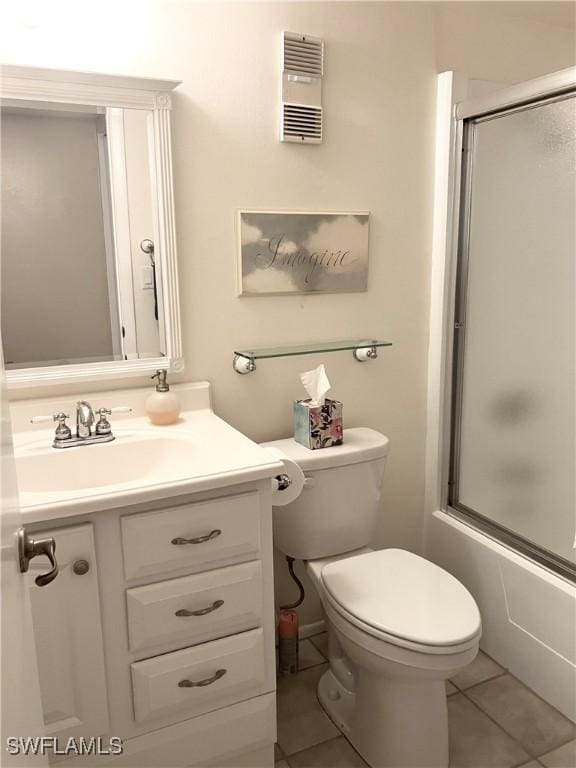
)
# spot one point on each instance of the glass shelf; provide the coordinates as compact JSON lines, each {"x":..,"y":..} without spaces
{"x":310,"y":349}
{"x":362,"y":349}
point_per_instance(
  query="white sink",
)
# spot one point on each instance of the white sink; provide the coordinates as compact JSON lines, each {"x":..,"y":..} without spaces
{"x":142,"y":457}
{"x":199,"y":453}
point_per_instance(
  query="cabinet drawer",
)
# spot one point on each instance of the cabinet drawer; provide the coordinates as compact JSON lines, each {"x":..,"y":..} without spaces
{"x":194,"y":535}
{"x":196,"y":608}
{"x":200,"y":679}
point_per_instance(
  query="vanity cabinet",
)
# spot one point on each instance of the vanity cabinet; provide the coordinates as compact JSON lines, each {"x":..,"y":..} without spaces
{"x":167,"y":641}
{"x":68,"y":635}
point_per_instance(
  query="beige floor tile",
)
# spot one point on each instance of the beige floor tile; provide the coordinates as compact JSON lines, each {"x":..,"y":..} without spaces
{"x":563,"y":757}
{"x":481,"y":669}
{"x":321,"y":642}
{"x":308,"y":655}
{"x":336,"y":753}
{"x":531,"y":764}
{"x":477,"y":742}
{"x":538,"y":727}
{"x":301,"y":721}
{"x":450,"y":689}
{"x":278,"y":754}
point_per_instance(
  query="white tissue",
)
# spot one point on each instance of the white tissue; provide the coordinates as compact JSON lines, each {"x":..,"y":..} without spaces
{"x":290,"y":468}
{"x":316,"y":384}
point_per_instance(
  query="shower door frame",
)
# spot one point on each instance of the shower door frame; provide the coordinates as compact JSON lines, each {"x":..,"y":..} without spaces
{"x":448,"y":295}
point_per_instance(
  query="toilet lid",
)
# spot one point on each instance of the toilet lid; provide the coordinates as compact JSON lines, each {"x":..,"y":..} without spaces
{"x":401,"y":594}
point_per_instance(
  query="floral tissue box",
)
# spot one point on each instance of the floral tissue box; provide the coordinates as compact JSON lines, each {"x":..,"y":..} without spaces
{"x":318,"y":426}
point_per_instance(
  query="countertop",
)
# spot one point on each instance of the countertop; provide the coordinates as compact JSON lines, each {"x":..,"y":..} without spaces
{"x":220,"y":456}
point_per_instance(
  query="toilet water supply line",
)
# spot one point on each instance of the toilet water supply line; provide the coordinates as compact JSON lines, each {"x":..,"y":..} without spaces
{"x":290,"y":561}
{"x":288,"y":629}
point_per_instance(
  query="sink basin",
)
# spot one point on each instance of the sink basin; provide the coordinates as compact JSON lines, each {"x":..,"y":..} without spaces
{"x":133,"y":458}
{"x":145,"y":463}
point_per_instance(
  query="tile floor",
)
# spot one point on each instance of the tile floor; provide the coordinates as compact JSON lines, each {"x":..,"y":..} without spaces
{"x":495,"y":721}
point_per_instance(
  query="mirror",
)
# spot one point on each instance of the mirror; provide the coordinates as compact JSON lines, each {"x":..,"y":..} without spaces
{"x":87,"y":250}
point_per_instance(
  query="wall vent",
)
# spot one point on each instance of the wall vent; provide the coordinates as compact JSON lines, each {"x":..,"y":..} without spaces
{"x":302,"y":70}
{"x":303,"y":54}
{"x":302,"y":123}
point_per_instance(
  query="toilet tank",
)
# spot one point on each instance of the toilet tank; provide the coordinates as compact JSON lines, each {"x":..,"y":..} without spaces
{"x":338,"y":508}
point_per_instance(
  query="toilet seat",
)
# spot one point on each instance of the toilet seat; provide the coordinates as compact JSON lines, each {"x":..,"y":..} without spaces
{"x":403,"y":599}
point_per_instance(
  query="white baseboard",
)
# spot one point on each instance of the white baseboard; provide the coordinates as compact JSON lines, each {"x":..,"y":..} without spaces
{"x":307,"y":630}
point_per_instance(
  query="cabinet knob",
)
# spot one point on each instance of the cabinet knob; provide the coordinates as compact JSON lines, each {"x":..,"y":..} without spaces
{"x":81,"y":567}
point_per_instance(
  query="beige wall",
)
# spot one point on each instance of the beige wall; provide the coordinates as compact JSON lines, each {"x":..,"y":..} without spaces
{"x":381,"y":63}
{"x":505,"y":41}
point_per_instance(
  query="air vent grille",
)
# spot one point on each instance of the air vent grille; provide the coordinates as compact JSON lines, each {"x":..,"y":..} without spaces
{"x":303,"y":55}
{"x":302,"y":74}
{"x":302,"y":123}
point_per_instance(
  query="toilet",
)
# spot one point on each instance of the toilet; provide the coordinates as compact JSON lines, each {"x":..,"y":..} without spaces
{"x":398,"y":625}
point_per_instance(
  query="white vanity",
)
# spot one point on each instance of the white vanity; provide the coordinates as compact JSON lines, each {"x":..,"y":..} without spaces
{"x":159,"y":628}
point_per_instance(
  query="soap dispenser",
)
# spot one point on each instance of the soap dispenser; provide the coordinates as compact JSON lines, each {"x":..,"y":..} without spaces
{"x":162,"y":406}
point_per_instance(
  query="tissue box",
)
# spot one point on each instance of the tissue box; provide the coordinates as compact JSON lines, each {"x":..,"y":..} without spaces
{"x":318,"y":426}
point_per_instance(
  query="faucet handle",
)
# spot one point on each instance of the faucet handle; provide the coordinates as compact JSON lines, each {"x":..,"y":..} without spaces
{"x":62,"y":430}
{"x":108,"y":411}
{"x":103,"y":425}
{"x":60,"y":417}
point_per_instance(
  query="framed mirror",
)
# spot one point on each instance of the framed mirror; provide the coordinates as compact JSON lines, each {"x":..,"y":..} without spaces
{"x":89,"y":285}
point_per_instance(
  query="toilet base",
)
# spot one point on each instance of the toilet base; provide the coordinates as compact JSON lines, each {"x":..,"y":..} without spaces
{"x":392,"y":726}
{"x":336,"y":701}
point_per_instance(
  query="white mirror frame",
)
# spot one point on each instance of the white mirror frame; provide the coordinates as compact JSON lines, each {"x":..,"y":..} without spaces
{"x":69,"y":87}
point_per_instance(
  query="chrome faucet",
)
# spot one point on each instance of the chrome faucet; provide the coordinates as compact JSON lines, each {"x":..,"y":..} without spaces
{"x":84,"y":419}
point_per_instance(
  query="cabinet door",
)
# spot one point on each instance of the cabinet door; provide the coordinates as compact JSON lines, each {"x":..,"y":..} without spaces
{"x":68,"y":635}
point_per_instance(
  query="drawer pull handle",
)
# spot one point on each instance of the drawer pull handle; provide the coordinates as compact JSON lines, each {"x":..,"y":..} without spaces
{"x":201,"y":611}
{"x":199,"y":539}
{"x":201,"y":683}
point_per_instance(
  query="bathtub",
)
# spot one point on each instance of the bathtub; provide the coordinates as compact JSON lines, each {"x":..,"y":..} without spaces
{"x":528,"y":613}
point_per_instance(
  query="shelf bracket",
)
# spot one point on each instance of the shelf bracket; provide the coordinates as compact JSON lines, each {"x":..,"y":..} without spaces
{"x":362,"y":354}
{"x":243,"y":365}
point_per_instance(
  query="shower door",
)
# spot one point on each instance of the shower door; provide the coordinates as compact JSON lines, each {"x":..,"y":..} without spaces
{"x":513,"y":426}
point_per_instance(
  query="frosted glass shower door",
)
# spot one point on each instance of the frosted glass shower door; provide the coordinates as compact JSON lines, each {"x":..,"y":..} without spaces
{"x":513,"y":446}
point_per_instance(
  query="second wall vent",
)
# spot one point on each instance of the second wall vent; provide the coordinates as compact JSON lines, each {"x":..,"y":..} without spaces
{"x":301,"y":117}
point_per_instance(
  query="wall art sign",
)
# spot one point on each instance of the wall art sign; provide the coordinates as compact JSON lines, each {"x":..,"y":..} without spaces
{"x":292,"y":252}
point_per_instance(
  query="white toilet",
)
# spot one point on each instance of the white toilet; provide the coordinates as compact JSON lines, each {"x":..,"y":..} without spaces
{"x":398,"y":625}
